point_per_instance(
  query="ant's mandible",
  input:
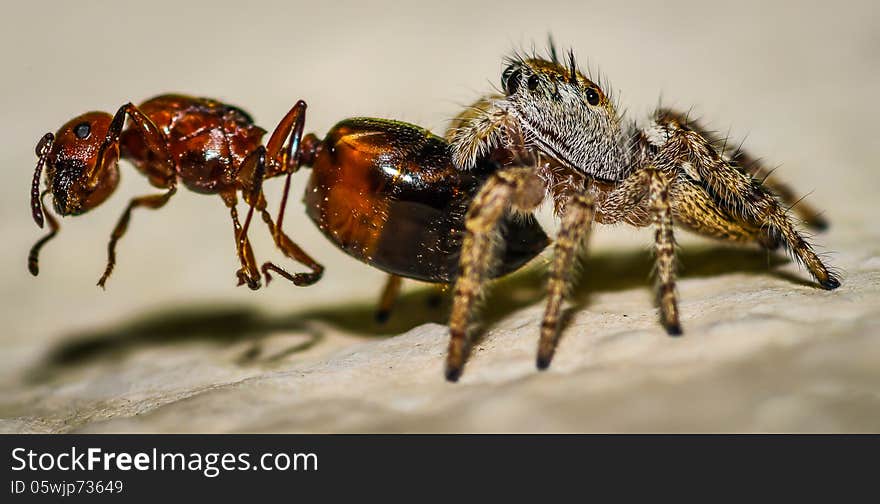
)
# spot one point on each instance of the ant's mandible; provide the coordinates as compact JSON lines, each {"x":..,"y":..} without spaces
{"x":209,"y":146}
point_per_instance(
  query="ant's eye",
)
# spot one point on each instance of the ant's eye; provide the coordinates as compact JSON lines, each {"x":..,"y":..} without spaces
{"x":532,"y":83}
{"x":82,"y":130}
{"x":592,"y":96}
{"x":510,"y":79}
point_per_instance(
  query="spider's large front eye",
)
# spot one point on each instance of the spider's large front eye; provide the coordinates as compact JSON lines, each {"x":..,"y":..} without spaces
{"x":510,"y":79}
{"x":592,"y":96}
{"x":533,"y":82}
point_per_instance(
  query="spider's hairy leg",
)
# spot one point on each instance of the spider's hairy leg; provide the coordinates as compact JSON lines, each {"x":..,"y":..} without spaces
{"x":696,"y":210}
{"x":664,"y":247}
{"x":738,"y":190}
{"x":811,"y":216}
{"x":519,"y":189}
{"x":477,"y":130}
{"x":754,"y":167}
{"x":577,"y":220}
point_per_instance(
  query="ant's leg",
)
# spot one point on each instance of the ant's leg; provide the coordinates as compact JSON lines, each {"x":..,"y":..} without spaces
{"x":740,"y":191}
{"x":250,"y":178}
{"x":248,"y":273}
{"x":153,"y":202}
{"x":435,"y":298}
{"x":33,"y":257}
{"x":285,"y":158}
{"x":152,"y":136}
{"x":572,"y":237}
{"x":519,"y":189}
{"x":108,"y":154}
{"x":293,"y":251}
{"x":389,"y":296}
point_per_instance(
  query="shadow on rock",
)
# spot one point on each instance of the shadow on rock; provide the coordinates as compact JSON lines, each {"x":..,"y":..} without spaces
{"x":226,"y":325}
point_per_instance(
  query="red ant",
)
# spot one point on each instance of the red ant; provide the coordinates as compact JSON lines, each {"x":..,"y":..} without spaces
{"x":209,"y":146}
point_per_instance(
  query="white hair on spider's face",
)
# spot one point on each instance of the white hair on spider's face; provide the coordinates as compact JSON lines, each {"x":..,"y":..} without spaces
{"x":566,"y":116}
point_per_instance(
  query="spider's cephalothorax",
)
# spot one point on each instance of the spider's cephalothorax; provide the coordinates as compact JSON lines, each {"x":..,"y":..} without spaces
{"x":559,"y":112}
{"x":559,"y":136}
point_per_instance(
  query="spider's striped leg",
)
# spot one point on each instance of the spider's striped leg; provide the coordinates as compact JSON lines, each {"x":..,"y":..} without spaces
{"x":754,"y":167}
{"x":577,"y":221}
{"x":664,"y":249}
{"x":743,"y":194}
{"x":810,"y":215}
{"x":519,"y":189}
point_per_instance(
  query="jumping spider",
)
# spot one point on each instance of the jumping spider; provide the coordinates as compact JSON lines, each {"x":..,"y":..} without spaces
{"x":563,"y":139}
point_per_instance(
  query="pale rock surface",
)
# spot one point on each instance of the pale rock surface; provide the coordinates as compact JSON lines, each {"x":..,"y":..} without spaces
{"x":761,"y":353}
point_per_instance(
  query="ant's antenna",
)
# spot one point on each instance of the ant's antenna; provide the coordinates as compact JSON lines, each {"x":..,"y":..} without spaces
{"x":42,"y":150}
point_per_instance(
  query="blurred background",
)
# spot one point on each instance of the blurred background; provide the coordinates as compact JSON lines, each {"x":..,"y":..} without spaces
{"x":799,"y":79}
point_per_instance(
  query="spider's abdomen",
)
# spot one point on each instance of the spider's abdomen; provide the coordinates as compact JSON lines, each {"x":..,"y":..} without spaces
{"x":387,"y":193}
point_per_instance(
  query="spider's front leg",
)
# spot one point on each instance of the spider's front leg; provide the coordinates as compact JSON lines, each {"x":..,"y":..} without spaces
{"x":517,"y":189}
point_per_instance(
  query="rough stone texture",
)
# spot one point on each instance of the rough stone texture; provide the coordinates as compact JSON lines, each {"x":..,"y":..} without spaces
{"x":171,"y":346}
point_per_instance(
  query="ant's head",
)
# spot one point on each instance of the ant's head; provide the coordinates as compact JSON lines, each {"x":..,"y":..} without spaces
{"x":70,"y":157}
{"x":565,"y":115}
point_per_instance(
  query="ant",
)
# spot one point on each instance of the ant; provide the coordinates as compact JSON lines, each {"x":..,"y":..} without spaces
{"x":209,"y":146}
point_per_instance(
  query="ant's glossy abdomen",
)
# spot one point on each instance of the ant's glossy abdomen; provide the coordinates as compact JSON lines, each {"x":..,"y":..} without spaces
{"x":387,"y":193}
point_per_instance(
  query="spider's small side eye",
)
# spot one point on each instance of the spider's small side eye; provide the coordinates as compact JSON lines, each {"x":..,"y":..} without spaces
{"x":82,"y":130}
{"x":592,"y":96}
{"x":532,"y":83}
{"x":510,"y":79}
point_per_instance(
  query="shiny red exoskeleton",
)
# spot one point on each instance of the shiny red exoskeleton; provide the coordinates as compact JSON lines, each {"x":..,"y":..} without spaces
{"x":208,"y":146}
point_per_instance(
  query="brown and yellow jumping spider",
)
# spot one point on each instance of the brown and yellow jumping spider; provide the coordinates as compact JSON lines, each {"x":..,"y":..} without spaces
{"x":559,"y":136}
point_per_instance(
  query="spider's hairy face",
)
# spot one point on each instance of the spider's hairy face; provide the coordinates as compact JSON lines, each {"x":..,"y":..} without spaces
{"x":566,"y":116}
